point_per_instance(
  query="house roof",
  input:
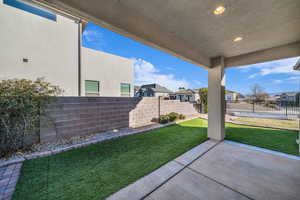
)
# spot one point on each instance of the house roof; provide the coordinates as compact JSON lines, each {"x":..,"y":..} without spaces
{"x":190,"y":29}
{"x":229,"y":91}
{"x":185,"y":91}
{"x":289,"y":93}
{"x":156,"y":88}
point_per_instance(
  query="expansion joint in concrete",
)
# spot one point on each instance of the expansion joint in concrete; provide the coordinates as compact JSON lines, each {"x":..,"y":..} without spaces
{"x":184,"y":167}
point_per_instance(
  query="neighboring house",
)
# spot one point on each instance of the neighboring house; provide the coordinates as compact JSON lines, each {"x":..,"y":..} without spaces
{"x":45,"y":44}
{"x":185,"y":95}
{"x":153,"y":90}
{"x":231,"y":96}
{"x":288,"y":97}
{"x":273,"y":99}
{"x":241,"y":97}
{"x":136,"y":90}
{"x":106,"y":74}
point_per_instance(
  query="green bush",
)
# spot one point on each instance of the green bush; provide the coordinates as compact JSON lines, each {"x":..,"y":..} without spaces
{"x":163,"y":119}
{"x":270,"y":105}
{"x":171,"y":117}
{"x":203,"y":93}
{"x":181,"y":117}
{"x":22,"y":102}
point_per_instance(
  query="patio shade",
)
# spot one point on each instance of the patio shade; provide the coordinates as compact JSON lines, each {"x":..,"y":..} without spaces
{"x":189,"y":29}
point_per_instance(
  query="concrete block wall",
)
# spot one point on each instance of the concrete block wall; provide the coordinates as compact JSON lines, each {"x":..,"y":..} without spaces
{"x":79,"y":116}
{"x":185,"y":108}
{"x":144,"y":112}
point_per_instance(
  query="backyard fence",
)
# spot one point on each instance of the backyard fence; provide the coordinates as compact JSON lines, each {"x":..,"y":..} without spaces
{"x":263,"y":110}
{"x":80,"y":116}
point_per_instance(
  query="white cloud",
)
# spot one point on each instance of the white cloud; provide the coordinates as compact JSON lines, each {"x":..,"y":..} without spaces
{"x":146,"y":73}
{"x":253,"y":75}
{"x":93,"y":36}
{"x":197,"y":83}
{"x":245,"y":69}
{"x":284,"y":66}
{"x":292,"y":79}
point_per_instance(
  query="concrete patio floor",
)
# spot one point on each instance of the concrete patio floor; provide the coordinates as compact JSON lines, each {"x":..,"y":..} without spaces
{"x":214,"y":171}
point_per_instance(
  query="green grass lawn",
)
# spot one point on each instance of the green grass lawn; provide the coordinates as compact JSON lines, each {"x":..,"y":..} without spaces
{"x":274,"y":139}
{"x":96,"y":171}
{"x":269,"y":122}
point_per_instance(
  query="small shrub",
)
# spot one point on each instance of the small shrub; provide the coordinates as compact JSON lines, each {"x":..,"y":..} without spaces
{"x":154,"y":119}
{"x":203,"y":93}
{"x":163,"y":119}
{"x":181,"y":117}
{"x":270,"y":105}
{"x":171,"y":117}
{"x":22,"y":102}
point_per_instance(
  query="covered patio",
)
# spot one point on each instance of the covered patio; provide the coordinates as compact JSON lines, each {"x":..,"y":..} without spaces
{"x":225,"y":170}
{"x":214,"y":34}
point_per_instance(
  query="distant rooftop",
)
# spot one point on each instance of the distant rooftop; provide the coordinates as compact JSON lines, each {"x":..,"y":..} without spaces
{"x":289,"y":93}
{"x":157,"y":88}
{"x":186,"y":91}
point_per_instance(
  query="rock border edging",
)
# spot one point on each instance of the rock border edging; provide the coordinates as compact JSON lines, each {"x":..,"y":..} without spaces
{"x":94,"y":141}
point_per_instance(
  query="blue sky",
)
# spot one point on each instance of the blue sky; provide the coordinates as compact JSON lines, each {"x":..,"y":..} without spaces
{"x":152,"y":65}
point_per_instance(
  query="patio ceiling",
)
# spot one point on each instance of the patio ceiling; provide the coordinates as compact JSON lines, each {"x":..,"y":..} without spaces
{"x":189,"y":29}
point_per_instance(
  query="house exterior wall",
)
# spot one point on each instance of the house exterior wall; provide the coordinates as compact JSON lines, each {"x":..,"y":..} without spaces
{"x":197,"y":97}
{"x":231,"y":97}
{"x":160,"y":94}
{"x":110,"y":70}
{"x":51,"y":48}
{"x":285,"y":98}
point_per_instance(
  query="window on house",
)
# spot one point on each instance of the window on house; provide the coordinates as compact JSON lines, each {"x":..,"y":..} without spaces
{"x":125,"y":89}
{"x":30,"y":8}
{"x":92,"y":87}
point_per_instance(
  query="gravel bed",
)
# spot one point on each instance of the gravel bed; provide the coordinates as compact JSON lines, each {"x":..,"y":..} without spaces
{"x":45,"y":149}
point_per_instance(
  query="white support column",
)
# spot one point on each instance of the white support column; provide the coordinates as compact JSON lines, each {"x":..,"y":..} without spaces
{"x":216,"y":100}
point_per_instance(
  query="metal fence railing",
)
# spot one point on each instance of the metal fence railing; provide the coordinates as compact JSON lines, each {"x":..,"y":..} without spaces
{"x":263,"y":110}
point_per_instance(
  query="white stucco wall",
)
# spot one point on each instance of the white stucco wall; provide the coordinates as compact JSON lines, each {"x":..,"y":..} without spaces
{"x":110,"y":70}
{"x":196,"y":97}
{"x":160,"y":94}
{"x":51,"y":48}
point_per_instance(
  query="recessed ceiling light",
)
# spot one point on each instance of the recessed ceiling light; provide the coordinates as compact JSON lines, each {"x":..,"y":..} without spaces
{"x":237,"y":39}
{"x":219,"y":10}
